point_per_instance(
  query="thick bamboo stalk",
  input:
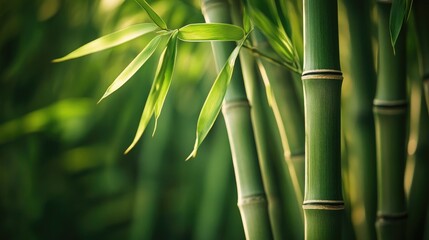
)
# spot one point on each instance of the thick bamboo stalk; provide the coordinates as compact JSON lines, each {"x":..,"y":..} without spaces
{"x":359,"y":121}
{"x":421,"y":8}
{"x":322,"y":78}
{"x":236,"y":110}
{"x":390,"y":112}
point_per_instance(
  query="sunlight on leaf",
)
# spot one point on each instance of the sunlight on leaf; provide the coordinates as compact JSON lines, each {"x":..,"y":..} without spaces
{"x":399,"y":14}
{"x":213,"y":103}
{"x":133,"y":67}
{"x":202,"y":32}
{"x":152,"y":14}
{"x":159,"y":88}
{"x":111,"y":40}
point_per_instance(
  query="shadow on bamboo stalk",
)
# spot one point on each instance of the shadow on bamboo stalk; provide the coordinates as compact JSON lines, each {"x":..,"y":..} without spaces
{"x":390,"y":113}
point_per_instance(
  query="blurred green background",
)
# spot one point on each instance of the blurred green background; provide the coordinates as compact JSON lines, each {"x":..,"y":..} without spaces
{"x":63,"y":174}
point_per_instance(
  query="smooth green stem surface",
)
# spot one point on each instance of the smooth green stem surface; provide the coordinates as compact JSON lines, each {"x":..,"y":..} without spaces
{"x":236,"y":110}
{"x":359,"y":121}
{"x":323,"y":203}
{"x":421,"y":8}
{"x":390,"y":112}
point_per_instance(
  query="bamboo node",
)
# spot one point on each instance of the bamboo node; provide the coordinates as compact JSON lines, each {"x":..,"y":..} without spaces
{"x":392,"y":216}
{"x":252,"y":199}
{"x":385,"y":1}
{"x":322,"y":74}
{"x":323,"y":204}
{"x":240,"y":103}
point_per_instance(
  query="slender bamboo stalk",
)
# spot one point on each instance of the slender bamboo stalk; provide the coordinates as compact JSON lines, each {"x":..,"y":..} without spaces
{"x":359,"y":121}
{"x":323,"y":203}
{"x":263,"y":140}
{"x":236,"y":110}
{"x":418,"y":197}
{"x":390,"y":112}
{"x":421,"y":9}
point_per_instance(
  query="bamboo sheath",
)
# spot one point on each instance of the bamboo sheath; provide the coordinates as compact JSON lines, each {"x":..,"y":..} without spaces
{"x":322,"y":78}
{"x":390,"y":112}
{"x":236,"y":110}
{"x":359,"y":121}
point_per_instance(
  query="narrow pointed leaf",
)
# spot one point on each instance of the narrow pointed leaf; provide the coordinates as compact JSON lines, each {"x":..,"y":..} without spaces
{"x":398,"y":16}
{"x":201,"y":32}
{"x":152,"y":14}
{"x":213,"y":103}
{"x":133,"y":67}
{"x":110,"y":40}
{"x":162,"y":78}
{"x":166,"y":77}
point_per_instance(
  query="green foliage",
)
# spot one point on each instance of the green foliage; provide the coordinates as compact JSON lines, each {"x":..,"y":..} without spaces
{"x":213,"y":103}
{"x":201,"y":32}
{"x":399,"y":14}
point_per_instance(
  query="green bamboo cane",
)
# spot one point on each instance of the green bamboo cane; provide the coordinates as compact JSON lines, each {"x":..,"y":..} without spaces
{"x":359,"y":121}
{"x":390,"y":112}
{"x":421,"y":9}
{"x":263,"y":140}
{"x":418,"y":197}
{"x":236,"y":110}
{"x":322,"y":78}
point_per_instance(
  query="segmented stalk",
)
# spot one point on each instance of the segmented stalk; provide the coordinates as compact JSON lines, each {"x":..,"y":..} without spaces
{"x":390,"y":112}
{"x":322,"y":78}
{"x":236,"y":110}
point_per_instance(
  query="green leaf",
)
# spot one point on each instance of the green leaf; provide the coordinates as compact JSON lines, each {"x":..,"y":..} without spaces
{"x":247,"y":24}
{"x":399,"y":14}
{"x":213,"y":103}
{"x":110,"y":40}
{"x":159,"y":88}
{"x":202,"y":32}
{"x":152,"y":14}
{"x":278,"y":39}
{"x":133,"y":67}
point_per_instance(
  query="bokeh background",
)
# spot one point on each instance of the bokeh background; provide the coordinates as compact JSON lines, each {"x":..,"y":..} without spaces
{"x":63,"y":174}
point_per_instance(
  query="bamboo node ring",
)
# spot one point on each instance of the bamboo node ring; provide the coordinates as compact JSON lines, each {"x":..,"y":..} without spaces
{"x":233,"y":104}
{"x":328,"y":74}
{"x":254,"y":199}
{"x":323,"y":204}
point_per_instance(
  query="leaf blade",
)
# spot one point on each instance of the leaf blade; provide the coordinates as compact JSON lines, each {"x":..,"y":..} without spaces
{"x":202,"y":32}
{"x":152,"y":14}
{"x":399,"y":14}
{"x":133,"y":67}
{"x":110,"y":40}
{"x":154,"y":93}
{"x":213,"y":102}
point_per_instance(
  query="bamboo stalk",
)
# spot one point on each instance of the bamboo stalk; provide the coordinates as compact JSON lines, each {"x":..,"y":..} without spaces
{"x":236,"y":110}
{"x":421,"y":9}
{"x":323,"y":203}
{"x":390,"y":112}
{"x":263,"y":140}
{"x":418,"y":199}
{"x":359,"y":121}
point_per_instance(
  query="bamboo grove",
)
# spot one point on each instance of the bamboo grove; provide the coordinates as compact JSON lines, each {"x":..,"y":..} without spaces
{"x":351,"y":143}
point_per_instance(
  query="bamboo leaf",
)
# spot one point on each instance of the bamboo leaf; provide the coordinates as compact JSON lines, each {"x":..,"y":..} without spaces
{"x":159,"y":88}
{"x":152,"y":14}
{"x":247,"y":24}
{"x":213,"y":103}
{"x":166,"y":76}
{"x":110,"y":40}
{"x":133,"y":67}
{"x":202,"y":32}
{"x":399,"y":14}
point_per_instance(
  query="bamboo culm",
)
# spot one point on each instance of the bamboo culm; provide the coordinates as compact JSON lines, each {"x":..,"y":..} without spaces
{"x":421,"y":8}
{"x":252,"y":201}
{"x":359,"y":121}
{"x":322,"y":79}
{"x":390,"y":113}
